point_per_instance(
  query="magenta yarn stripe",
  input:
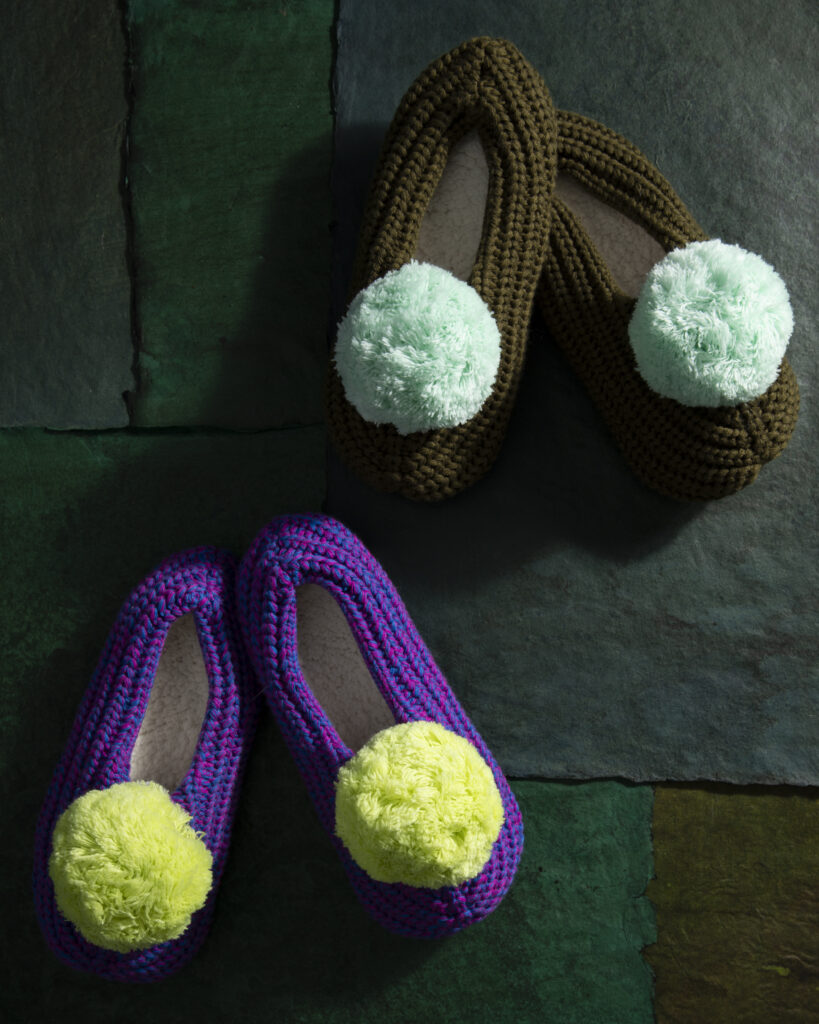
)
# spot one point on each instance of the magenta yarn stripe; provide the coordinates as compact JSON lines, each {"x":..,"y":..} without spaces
{"x":98,"y":752}
{"x":291,"y":551}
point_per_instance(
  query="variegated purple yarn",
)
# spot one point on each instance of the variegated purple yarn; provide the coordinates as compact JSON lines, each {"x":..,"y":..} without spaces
{"x":98,"y":754}
{"x":294,"y":550}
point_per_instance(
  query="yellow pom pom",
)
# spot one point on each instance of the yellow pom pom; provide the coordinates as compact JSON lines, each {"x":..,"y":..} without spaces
{"x":128,"y":870}
{"x":418,"y":804}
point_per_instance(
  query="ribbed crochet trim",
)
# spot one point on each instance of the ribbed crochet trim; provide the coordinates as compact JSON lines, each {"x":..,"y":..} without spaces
{"x":293,"y":550}
{"x":688,"y":453}
{"x":487,"y":86}
{"x":98,"y":752}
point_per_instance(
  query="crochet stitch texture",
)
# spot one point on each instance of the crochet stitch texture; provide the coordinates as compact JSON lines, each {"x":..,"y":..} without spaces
{"x":685,"y":452}
{"x":484,"y":85}
{"x":98,"y":752}
{"x":294,"y":550}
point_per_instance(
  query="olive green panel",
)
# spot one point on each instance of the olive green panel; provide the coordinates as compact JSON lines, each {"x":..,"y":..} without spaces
{"x":737,"y":905}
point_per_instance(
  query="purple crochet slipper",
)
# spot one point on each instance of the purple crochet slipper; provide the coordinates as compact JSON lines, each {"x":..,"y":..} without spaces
{"x":333,"y":568}
{"x":105,"y":843}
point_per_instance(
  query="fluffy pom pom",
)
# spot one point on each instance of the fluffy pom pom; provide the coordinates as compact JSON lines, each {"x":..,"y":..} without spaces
{"x":128,"y":870}
{"x":418,"y":348}
{"x":418,"y":804}
{"x":711,"y":325}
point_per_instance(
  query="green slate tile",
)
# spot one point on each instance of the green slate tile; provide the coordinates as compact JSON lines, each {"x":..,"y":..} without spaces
{"x":90,"y":515}
{"x":65,"y":343}
{"x":86,"y":517}
{"x":737,"y":905}
{"x":229,"y":177}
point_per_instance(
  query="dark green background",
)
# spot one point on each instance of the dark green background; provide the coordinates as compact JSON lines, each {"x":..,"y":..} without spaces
{"x":228,"y":170}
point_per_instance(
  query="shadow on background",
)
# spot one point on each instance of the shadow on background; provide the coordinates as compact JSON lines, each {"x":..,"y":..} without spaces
{"x":559,"y":479}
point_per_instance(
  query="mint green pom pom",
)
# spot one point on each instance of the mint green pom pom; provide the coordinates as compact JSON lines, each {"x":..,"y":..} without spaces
{"x":128,"y":870}
{"x":418,"y":348}
{"x":711,"y":325}
{"x":418,"y":804}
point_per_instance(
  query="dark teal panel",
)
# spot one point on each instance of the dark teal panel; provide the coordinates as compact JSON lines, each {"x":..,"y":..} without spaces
{"x":591,"y":627}
{"x":737,"y":906}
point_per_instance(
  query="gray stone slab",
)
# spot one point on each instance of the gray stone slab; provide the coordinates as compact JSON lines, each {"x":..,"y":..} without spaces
{"x":590,"y":626}
{"x":65,"y":293}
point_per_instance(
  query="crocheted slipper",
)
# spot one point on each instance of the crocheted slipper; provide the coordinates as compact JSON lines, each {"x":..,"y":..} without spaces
{"x":690,"y":379}
{"x":421,"y":815}
{"x":426,"y":366}
{"x":126,"y":869}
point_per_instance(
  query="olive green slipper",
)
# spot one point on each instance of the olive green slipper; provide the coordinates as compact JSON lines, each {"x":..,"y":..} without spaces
{"x":429,"y":355}
{"x":679,"y":341}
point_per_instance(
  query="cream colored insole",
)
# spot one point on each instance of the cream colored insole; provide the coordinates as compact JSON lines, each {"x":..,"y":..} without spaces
{"x":628,"y":249}
{"x":451,"y":229}
{"x":169,"y":734}
{"x":335,"y":670}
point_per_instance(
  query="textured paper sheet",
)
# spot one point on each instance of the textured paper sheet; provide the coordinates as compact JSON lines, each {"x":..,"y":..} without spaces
{"x":591,"y":627}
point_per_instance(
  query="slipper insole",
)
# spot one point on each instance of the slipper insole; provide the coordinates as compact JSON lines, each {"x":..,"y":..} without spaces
{"x":169,"y":734}
{"x":626,"y":247}
{"x":334,"y":668}
{"x":451,"y":230}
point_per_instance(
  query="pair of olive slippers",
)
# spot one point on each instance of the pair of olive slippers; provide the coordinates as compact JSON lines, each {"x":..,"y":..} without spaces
{"x":679,"y":340}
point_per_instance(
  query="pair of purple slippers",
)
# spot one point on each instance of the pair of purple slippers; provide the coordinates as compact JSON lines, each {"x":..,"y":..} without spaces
{"x":246,"y":625}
